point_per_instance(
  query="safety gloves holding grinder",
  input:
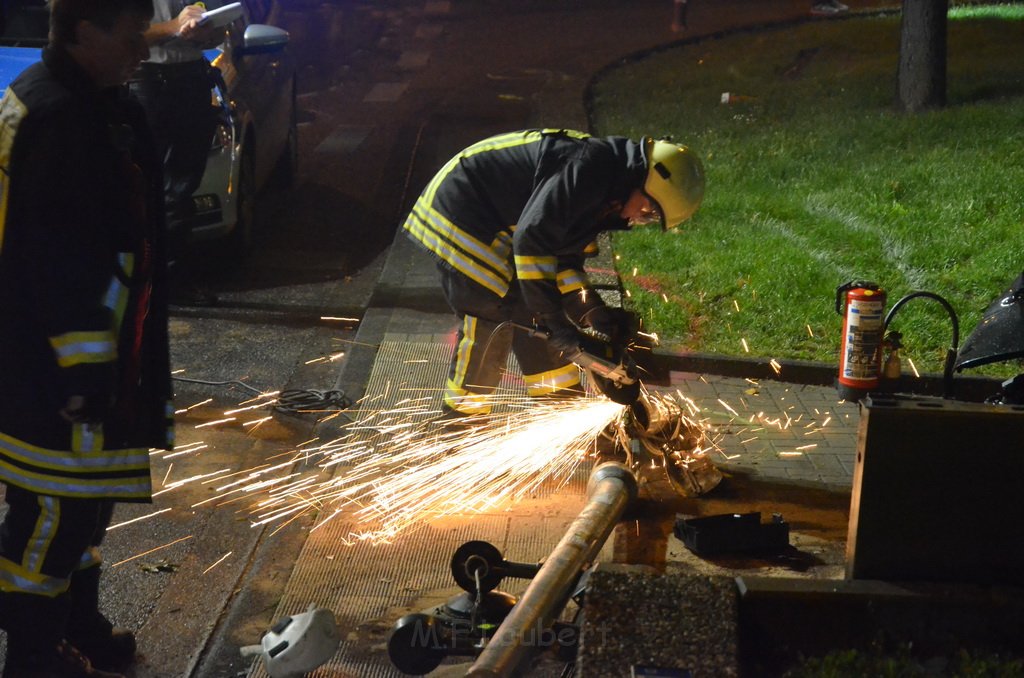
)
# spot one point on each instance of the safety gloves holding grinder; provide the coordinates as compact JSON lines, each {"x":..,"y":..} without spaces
{"x":511,"y":220}
{"x":617,"y":326}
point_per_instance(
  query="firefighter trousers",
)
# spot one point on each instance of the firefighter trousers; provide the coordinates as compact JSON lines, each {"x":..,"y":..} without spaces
{"x":487,"y":333}
{"x":46,"y":539}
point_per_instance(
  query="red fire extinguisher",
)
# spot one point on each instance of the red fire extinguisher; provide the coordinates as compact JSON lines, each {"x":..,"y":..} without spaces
{"x":860,"y":352}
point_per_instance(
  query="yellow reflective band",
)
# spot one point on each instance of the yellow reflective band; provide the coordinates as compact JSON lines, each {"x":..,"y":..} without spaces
{"x":536,"y":268}
{"x":464,"y":351}
{"x":502,"y":246}
{"x":495,"y":281}
{"x":496,"y":143}
{"x":77,"y":348}
{"x":137,"y":486}
{"x":570,"y":280}
{"x":557,"y":379}
{"x":86,"y":437}
{"x":43,"y":459}
{"x":16,"y":579}
{"x":448,"y":230}
{"x":42,"y":535}
{"x":500,"y":142}
{"x":571,"y":133}
{"x":116,"y":298}
{"x":461,"y":400}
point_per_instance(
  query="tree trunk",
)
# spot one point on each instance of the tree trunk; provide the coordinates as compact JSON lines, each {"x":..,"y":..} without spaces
{"x":921,"y":78}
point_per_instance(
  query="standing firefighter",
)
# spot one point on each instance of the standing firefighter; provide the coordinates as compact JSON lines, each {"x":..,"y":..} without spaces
{"x":511,"y":219}
{"x":84,"y":369}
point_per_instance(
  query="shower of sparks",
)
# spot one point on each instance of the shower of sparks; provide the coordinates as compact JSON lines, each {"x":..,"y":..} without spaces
{"x":775,"y":366}
{"x":215,"y":422}
{"x":259,"y":402}
{"x":728,"y":407}
{"x":146,"y":553}
{"x":913,"y":368}
{"x":181,"y":451}
{"x":135,"y":520}
{"x":191,"y":407}
{"x":326,"y":358}
{"x":393,"y":467}
{"x":219,"y":561}
{"x":410,"y":472}
{"x":190,"y":479}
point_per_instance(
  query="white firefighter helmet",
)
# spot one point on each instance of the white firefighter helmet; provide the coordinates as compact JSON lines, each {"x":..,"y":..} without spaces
{"x":675,"y":180}
{"x":298,"y":644}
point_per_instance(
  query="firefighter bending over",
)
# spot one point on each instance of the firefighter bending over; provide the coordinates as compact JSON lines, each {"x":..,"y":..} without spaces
{"x":84,"y":370}
{"x":511,"y":219}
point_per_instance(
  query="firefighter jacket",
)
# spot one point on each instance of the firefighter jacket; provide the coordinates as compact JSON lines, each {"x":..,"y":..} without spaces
{"x":83,"y":307}
{"x":526,"y":206}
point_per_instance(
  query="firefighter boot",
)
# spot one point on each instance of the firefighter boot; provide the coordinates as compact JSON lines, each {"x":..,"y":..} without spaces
{"x":107,"y":647}
{"x":35,"y":647}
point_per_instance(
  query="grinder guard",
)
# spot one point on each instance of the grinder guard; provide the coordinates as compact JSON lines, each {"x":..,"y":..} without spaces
{"x":611,"y":369}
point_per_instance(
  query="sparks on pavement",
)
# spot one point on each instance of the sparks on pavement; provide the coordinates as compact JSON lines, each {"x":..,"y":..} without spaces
{"x":394,"y":472}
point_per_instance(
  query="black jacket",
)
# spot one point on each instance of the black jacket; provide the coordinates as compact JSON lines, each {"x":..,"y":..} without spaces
{"x":527,"y":205}
{"x":82,"y":296}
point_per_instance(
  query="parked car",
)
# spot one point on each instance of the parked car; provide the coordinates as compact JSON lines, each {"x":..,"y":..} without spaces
{"x":256,"y":138}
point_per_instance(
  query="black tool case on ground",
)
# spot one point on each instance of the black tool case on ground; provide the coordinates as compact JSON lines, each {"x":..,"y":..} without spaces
{"x":730,"y":533}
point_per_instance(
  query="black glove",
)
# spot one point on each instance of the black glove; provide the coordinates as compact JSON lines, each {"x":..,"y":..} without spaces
{"x":618,"y":324}
{"x":563,"y":338}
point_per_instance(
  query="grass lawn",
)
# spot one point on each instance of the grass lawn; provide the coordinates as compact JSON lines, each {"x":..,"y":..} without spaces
{"x":814,"y":179}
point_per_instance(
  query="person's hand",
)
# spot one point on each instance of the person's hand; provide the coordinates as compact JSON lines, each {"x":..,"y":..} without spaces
{"x":188,"y":25}
{"x":563,"y":338}
{"x":81,"y":409}
{"x":189,"y":17}
{"x":618,"y":324}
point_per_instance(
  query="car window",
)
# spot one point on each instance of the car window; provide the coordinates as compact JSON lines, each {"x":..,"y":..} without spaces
{"x":24,"y":22}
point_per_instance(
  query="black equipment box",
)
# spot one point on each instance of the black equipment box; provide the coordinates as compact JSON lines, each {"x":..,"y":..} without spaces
{"x":730,"y":533}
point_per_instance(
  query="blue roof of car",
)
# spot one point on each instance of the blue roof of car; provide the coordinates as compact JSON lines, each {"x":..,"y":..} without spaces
{"x":13,"y":60}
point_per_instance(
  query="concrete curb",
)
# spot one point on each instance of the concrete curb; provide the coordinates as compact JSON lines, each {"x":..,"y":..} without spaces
{"x":658,"y":366}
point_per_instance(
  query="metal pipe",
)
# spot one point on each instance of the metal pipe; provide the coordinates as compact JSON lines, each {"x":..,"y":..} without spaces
{"x":610,"y":489}
{"x":654,"y":415}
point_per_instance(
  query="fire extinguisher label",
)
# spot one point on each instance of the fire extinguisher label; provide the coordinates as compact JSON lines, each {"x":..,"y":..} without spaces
{"x":863,"y":337}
